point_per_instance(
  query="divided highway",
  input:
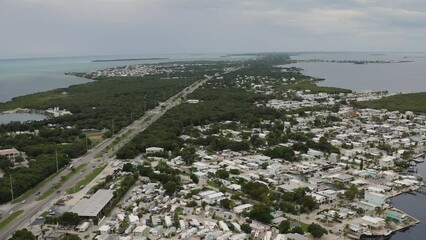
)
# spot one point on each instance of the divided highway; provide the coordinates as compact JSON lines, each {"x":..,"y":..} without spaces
{"x":33,"y":208}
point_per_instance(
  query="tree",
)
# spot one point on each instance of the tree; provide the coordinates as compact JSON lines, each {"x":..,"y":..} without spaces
{"x":23,"y":234}
{"x":128,"y":167}
{"x":298,"y":230}
{"x":194,"y":178}
{"x":261,"y":212}
{"x":256,"y":190}
{"x":69,"y":219}
{"x":170,"y":187}
{"x":316,"y":230}
{"x":246,"y":228}
{"x":226,"y":203}
{"x":222,"y":173}
{"x":5,"y":163}
{"x":351,"y":192}
{"x":284,"y":226}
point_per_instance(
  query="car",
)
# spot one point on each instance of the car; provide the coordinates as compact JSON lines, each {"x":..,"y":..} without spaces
{"x":23,"y":202}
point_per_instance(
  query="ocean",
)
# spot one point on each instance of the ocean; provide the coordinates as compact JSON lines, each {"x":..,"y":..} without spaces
{"x":404,"y":77}
{"x":26,"y":76}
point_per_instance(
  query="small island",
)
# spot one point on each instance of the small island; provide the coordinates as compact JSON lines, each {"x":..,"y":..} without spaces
{"x":127,"y":59}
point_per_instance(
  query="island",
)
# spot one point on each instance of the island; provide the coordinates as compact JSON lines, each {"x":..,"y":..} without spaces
{"x":232,"y":149}
{"x":128,"y":59}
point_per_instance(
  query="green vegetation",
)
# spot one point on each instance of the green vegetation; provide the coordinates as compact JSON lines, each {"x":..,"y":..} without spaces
{"x":316,"y":230}
{"x":68,"y":219}
{"x":124,"y":186}
{"x":109,"y":103}
{"x":26,"y":178}
{"x":168,"y":176}
{"x":415,"y":102}
{"x":297,"y":202}
{"x":23,"y":234}
{"x":10,"y":218}
{"x":37,"y":187}
{"x":65,"y":178}
{"x":86,"y":180}
{"x":255,"y":190}
{"x":246,"y":228}
{"x":313,"y":88}
{"x":261,"y":212}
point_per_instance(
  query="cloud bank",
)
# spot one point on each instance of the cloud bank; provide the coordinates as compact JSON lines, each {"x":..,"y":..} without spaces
{"x":100,"y":27}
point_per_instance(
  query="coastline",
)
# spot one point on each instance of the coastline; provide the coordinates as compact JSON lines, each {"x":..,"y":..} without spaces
{"x":26,"y":110}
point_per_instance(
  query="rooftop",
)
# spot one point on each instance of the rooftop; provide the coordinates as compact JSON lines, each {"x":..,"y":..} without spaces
{"x":93,"y":206}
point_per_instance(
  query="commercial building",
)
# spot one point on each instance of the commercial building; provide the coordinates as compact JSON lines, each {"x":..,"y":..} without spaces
{"x":94,"y":206}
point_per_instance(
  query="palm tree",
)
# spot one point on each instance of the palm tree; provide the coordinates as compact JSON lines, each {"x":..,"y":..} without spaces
{"x":379,"y":211}
{"x":346,"y":231}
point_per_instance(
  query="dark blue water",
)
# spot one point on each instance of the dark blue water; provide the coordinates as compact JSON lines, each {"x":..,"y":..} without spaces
{"x":413,"y":205}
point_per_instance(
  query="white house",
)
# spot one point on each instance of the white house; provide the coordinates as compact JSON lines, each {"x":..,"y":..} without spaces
{"x":386,"y":162}
{"x":154,"y":149}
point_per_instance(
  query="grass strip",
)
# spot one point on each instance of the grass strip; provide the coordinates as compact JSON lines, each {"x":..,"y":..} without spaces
{"x":86,"y":180}
{"x":65,"y":178}
{"x":10,"y":218}
{"x":37,"y":187}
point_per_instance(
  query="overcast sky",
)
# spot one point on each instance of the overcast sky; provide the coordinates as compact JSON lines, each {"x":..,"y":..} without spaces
{"x":32,"y":28}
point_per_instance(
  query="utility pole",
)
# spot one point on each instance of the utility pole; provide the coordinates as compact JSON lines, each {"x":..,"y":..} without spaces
{"x":87,"y":143}
{"x":11,"y":187}
{"x":112,"y":127}
{"x":56,"y":154}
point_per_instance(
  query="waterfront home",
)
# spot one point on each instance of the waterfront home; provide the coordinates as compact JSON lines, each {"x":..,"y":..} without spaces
{"x":374,"y":222}
{"x":395,"y":216}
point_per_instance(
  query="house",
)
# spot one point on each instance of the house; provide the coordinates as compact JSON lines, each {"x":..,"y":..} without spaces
{"x":11,"y":153}
{"x":386,"y":162}
{"x":373,"y":200}
{"x":395,"y":216}
{"x":319,"y":199}
{"x":343,"y":178}
{"x":212,"y":198}
{"x":193,"y":101}
{"x":314,"y":153}
{"x":242,"y":208}
{"x":331,"y":195}
{"x":373,"y":222}
{"x":154,"y":149}
{"x":141,"y":231}
{"x":104,"y":229}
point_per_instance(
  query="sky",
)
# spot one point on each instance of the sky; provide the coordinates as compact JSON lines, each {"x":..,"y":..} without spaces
{"x":42,"y":28}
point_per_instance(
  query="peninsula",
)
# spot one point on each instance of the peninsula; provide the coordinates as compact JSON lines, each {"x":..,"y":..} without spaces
{"x":128,"y":59}
{"x":227,"y":149}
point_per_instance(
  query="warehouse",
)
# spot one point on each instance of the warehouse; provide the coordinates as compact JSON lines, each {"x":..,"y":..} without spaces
{"x":94,"y":206}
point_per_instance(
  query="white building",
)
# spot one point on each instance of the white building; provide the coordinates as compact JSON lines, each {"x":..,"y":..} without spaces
{"x":386,"y":162}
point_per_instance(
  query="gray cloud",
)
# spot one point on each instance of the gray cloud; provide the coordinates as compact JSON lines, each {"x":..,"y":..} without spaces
{"x":97,"y":27}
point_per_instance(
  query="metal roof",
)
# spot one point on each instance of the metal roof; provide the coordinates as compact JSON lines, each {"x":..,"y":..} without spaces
{"x":93,"y":206}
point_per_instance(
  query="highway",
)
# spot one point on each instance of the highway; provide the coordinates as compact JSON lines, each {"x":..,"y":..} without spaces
{"x":33,"y":208}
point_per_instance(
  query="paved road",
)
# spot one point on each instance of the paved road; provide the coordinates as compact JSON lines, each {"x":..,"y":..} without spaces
{"x":33,"y":208}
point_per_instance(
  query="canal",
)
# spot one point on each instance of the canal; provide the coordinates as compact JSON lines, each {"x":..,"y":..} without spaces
{"x":414,"y":205}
